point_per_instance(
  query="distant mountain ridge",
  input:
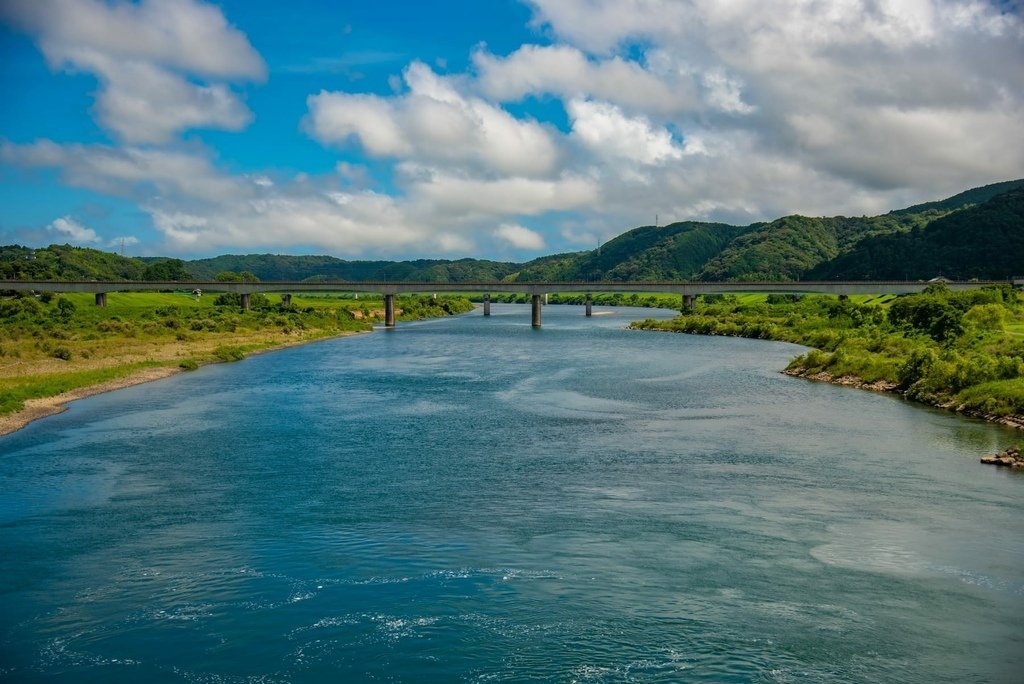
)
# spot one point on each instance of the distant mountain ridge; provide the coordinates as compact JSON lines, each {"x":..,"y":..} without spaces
{"x":978,"y":233}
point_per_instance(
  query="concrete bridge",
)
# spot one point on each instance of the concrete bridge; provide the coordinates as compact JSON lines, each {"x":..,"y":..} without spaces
{"x":687,"y":290}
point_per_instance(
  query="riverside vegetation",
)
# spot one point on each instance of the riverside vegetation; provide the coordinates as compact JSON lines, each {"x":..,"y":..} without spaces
{"x":958,"y":350}
{"x":50,"y":345}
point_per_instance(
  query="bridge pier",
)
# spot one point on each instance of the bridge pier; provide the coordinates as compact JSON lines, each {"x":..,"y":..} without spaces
{"x":286,"y":299}
{"x":389,"y":311}
{"x":101,"y":299}
{"x":487,"y":305}
{"x":689,"y":303}
{"x":246,"y":301}
{"x":590,"y":304}
{"x":536,"y":311}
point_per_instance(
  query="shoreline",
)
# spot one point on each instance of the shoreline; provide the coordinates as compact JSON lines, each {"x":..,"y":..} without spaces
{"x":1014,"y":421}
{"x":43,"y":407}
{"x":889,"y":387}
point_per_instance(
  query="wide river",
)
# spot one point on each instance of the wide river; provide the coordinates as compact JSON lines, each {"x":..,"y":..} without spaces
{"x":470,"y":499}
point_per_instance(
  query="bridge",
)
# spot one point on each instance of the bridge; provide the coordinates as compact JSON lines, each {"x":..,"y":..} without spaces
{"x":688,"y":290}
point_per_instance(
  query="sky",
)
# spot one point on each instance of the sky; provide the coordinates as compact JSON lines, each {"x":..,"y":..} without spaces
{"x":502,"y":129}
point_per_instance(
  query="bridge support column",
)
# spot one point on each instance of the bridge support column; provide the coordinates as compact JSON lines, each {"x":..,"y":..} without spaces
{"x":536,"y":311}
{"x":246,"y":301}
{"x":101,"y":299}
{"x":689,"y":303}
{"x":389,"y":311}
{"x":590,"y":304}
{"x":286,"y":299}
{"x":487,"y":305}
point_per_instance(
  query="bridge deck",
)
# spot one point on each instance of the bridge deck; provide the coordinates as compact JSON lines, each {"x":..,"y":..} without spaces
{"x":675,"y":287}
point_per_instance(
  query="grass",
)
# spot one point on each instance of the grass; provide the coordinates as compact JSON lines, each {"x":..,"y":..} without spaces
{"x":52,"y":345}
{"x":15,"y":391}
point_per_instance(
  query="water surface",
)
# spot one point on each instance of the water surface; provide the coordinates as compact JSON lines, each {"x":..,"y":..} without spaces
{"x":470,"y":499}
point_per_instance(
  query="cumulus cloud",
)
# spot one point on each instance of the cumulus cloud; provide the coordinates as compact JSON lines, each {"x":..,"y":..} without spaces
{"x":434,"y":123}
{"x":568,"y":72}
{"x":197,"y":206}
{"x":145,"y":56}
{"x":71,"y":229}
{"x":123,"y":241}
{"x":606,"y":130}
{"x":882,"y":95}
{"x":689,"y":109}
{"x":519,"y":237}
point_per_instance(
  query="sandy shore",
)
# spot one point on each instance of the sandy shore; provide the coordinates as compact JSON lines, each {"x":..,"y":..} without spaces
{"x":49,"y":406}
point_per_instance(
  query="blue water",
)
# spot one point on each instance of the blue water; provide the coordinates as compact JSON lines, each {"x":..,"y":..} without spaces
{"x":470,"y":499}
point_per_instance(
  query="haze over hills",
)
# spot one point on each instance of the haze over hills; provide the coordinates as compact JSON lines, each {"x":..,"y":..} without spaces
{"x":978,"y":233}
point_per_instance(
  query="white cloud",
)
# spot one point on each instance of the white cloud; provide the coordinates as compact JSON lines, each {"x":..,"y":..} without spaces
{"x":472,"y":197}
{"x":884,"y":95}
{"x":566,"y":71}
{"x":519,"y":237}
{"x":133,"y":172}
{"x":603,"y":128}
{"x":198,"y":207}
{"x":123,"y":241}
{"x":143,"y":55}
{"x":690,"y":109}
{"x":435,"y":124}
{"x":70,"y":228}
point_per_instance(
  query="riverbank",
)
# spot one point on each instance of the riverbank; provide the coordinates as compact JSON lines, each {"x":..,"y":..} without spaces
{"x":1011,"y":420}
{"x":962,"y":352}
{"x":57,"y":351}
{"x":42,"y":407}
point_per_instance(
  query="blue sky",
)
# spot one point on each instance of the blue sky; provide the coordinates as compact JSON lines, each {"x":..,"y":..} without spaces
{"x":503,"y":129}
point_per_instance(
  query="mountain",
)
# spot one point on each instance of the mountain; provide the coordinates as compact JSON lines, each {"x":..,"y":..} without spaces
{"x":978,"y":233}
{"x":284,"y":267}
{"x":64,"y":262}
{"x":984,"y":241}
{"x":673,"y":252}
{"x":789,"y":247}
{"x":964,"y":199}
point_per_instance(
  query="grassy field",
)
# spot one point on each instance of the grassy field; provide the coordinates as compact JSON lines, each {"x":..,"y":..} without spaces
{"x":51,"y":345}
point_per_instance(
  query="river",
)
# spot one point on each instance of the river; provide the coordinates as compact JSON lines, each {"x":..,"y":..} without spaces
{"x":470,"y":499}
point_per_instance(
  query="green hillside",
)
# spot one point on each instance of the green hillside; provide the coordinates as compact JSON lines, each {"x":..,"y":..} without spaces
{"x":285,"y":267}
{"x":673,"y":252}
{"x":964,"y":199}
{"x":64,"y":262}
{"x":974,"y":234}
{"x":985,"y":241}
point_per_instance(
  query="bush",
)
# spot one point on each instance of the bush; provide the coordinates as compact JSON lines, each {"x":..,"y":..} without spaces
{"x":61,"y":353}
{"x":229,"y":353}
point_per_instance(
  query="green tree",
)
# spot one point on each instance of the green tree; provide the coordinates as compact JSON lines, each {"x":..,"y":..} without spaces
{"x":168,"y":270}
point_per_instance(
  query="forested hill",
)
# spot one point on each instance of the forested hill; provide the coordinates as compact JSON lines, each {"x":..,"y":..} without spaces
{"x":64,"y":262}
{"x":978,"y":233}
{"x":677,"y":251}
{"x":984,"y":241}
{"x":282,"y":267}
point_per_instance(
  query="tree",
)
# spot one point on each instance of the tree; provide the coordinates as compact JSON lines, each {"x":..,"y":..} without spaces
{"x":169,"y":270}
{"x":233,"y":277}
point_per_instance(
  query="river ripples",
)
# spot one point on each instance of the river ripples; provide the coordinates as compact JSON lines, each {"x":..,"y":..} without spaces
{"x":473,"y":500}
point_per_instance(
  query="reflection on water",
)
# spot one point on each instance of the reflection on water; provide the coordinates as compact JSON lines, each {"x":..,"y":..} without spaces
{"x":472,"y":499}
